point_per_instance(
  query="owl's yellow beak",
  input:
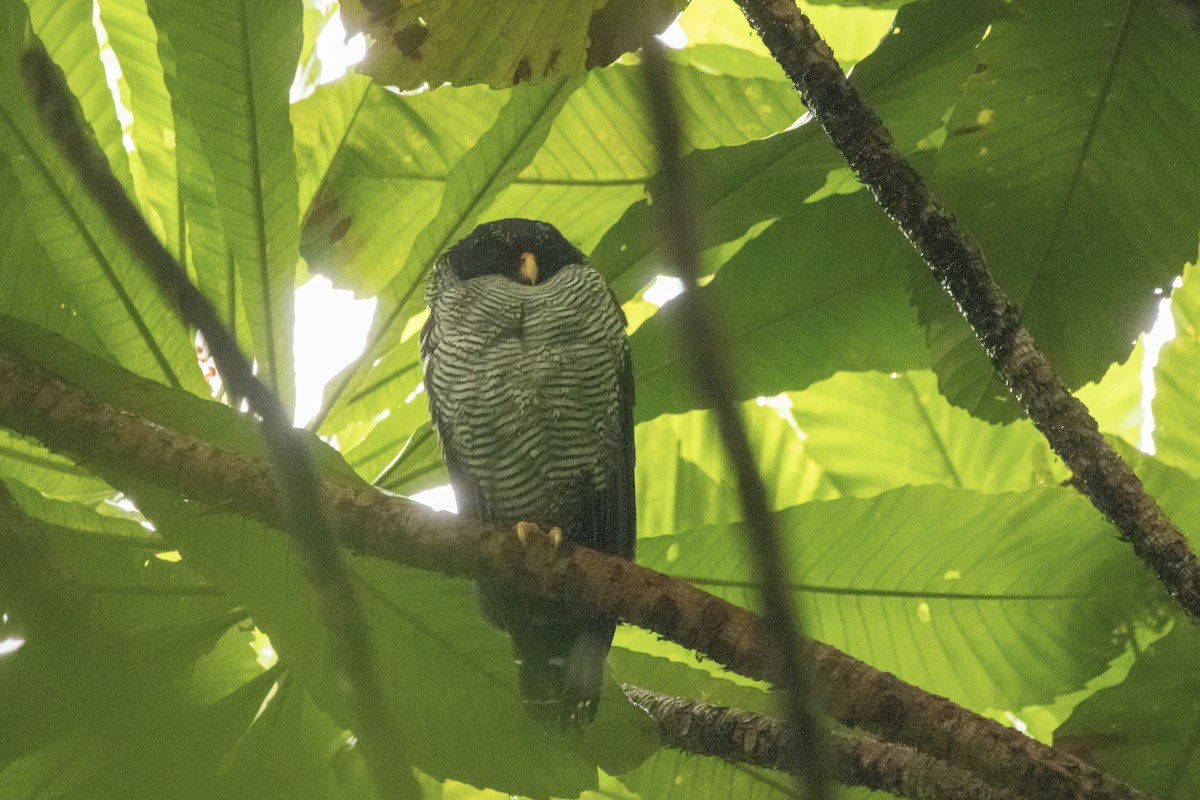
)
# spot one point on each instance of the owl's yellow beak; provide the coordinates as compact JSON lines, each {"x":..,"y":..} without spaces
{"x":528,"y":272}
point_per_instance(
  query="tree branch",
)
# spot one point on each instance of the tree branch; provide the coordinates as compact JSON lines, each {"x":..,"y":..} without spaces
{"x":303,"y":517}
{"x":114,"y":444}
{"x":708,"y":355}
{"x":958,"y":264}
{"x":743,"y":737}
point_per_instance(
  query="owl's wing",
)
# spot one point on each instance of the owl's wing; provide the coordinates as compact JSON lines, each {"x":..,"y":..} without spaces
{"x":467,"y":492}
{"x":607,"y":518}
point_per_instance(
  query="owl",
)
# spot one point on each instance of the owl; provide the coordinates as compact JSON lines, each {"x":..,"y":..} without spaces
{"x":530,"y":390}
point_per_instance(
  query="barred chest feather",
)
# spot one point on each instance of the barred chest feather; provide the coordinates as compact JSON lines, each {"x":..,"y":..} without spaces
{"x":526,"y":383}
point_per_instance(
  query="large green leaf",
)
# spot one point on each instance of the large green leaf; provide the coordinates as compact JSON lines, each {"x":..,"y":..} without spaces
{"x":51,"y":474}
{"x":1176,"y":378}
{"x":186,"y":413}
{"x":417,"y":466}
{"x":599,"y":153}
{"x":684,"y":480}
{"x":913,"y":78}
{"x":499,"y":43}
{"x":471,"y":185}
{"x":323,"y":123}
{"x":1143,"y":729}
{"x":739,"y":187}
{"x":793,"y":311}
{"x":65,"y":29}
{"x":295,"y":750}
{"x":27,"y":288}
{"x":852,"y":33}
{"x":397,"y":152}
{"x":1072,"y":157}
{"x":234,"y":63}
{"x":102,"y":283}
{"x":448,"y":675}
{"x":380,"y":161}
{"x":135,"y":677}
{"x":135,"y":43}
{"x":448,"y":668}
{"x":996,"y":601}
{"x":391,"y":156}
{"x":872,"y":432}
{"x":115,"y":557}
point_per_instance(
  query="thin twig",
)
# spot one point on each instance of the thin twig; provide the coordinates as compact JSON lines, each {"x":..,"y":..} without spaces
{"x":120,"y":446}
{"x":708,"y":355}
{"x":958,"y":264}
{"x":304,"y":518}
{"x":743,"y":737}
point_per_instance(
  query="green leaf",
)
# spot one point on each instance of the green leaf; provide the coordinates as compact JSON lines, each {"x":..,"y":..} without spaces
{"x":102,"y":283}
{"x":794,"y":312}
{"x":184,"y":412}
{"x":684,"y":480}
{"x":115,"y":560}
{"x":65,"y":29}
{"x":234,"y":63}
{"x":914,"y":77}
{"x":293,"y":750}
{"x":499,"y":43}
{"x":135,"y":43}
{"x":471,"y":185}
{"x":396,"y":154}
{"x":51,"y":474}
{"x":739,"y":187}
{"x":1115,"y":401}
{"x":27,"y":288}
{"x":674,"y":775}
{"x":1176,"y":417}
{"x":417,"y":467}
{"x":871,"y":433}
{"x":1072,"y":157}
{"x":599,"y":153}
{"x":323,"y":123}
{"x":381,"y":162}
{"x":393,"y":155}
{"x":852,"y":33}
{"x":132,"y":680}
{"x":444,"y":666}
{"x":995,"y":601}
{"x":1143,"y":730}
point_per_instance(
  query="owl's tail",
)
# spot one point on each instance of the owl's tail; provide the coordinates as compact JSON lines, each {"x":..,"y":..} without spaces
{"x":561,"y":671}
{"x":560,"y":655}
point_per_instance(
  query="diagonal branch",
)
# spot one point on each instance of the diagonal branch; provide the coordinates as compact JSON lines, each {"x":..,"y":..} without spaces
{"x":743,"y":737}
{"x":114,"y":443}
{"x":958,"y":264}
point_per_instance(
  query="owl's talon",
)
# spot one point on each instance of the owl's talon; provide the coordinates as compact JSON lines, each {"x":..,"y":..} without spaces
{"x":527,"y":529}
{"x":524,"y":529}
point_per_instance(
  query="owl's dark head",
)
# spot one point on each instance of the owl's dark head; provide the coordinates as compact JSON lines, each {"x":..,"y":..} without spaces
{"x":525,"y":250}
